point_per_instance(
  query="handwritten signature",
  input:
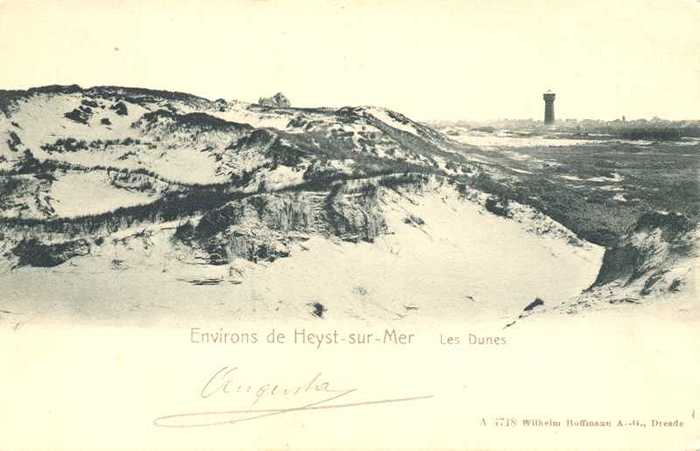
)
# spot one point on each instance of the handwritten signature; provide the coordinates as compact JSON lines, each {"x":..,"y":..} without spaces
{"x":224,"y":382}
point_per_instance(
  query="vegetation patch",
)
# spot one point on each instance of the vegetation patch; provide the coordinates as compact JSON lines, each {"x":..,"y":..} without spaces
{"x":31,"y":252}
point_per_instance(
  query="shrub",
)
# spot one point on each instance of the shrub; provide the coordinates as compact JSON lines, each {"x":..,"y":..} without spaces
{"x":119,"y":108}
{"x":65,"y":145}
{"x":414,"y":220}
{"x":81,"y":114}
{"x":498,"y":206}
{"x":184,"y":232}
{"x":14,"y":142}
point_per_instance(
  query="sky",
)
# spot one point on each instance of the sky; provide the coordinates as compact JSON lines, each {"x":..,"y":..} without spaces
{"x":431,"y":60}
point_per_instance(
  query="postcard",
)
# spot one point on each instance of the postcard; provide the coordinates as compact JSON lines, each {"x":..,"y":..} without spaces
{"x":349,"y":225}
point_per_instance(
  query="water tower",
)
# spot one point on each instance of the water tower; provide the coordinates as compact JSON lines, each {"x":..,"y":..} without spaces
{"x":548,"y":107}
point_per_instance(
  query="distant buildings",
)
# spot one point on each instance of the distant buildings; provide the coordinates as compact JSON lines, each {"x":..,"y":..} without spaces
{"x":279,"y":100}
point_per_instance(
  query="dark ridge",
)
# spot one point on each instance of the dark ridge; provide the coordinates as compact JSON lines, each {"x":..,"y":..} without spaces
{"x":202,"y":121}
{"x":319,"y":110}
{"x":9,"y":97}
{"x":49,"y":89}
{"x":55,"y":89}
{"x":112,"y":91}
{"x":130,"y":94}
{"x":206,"y":121}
